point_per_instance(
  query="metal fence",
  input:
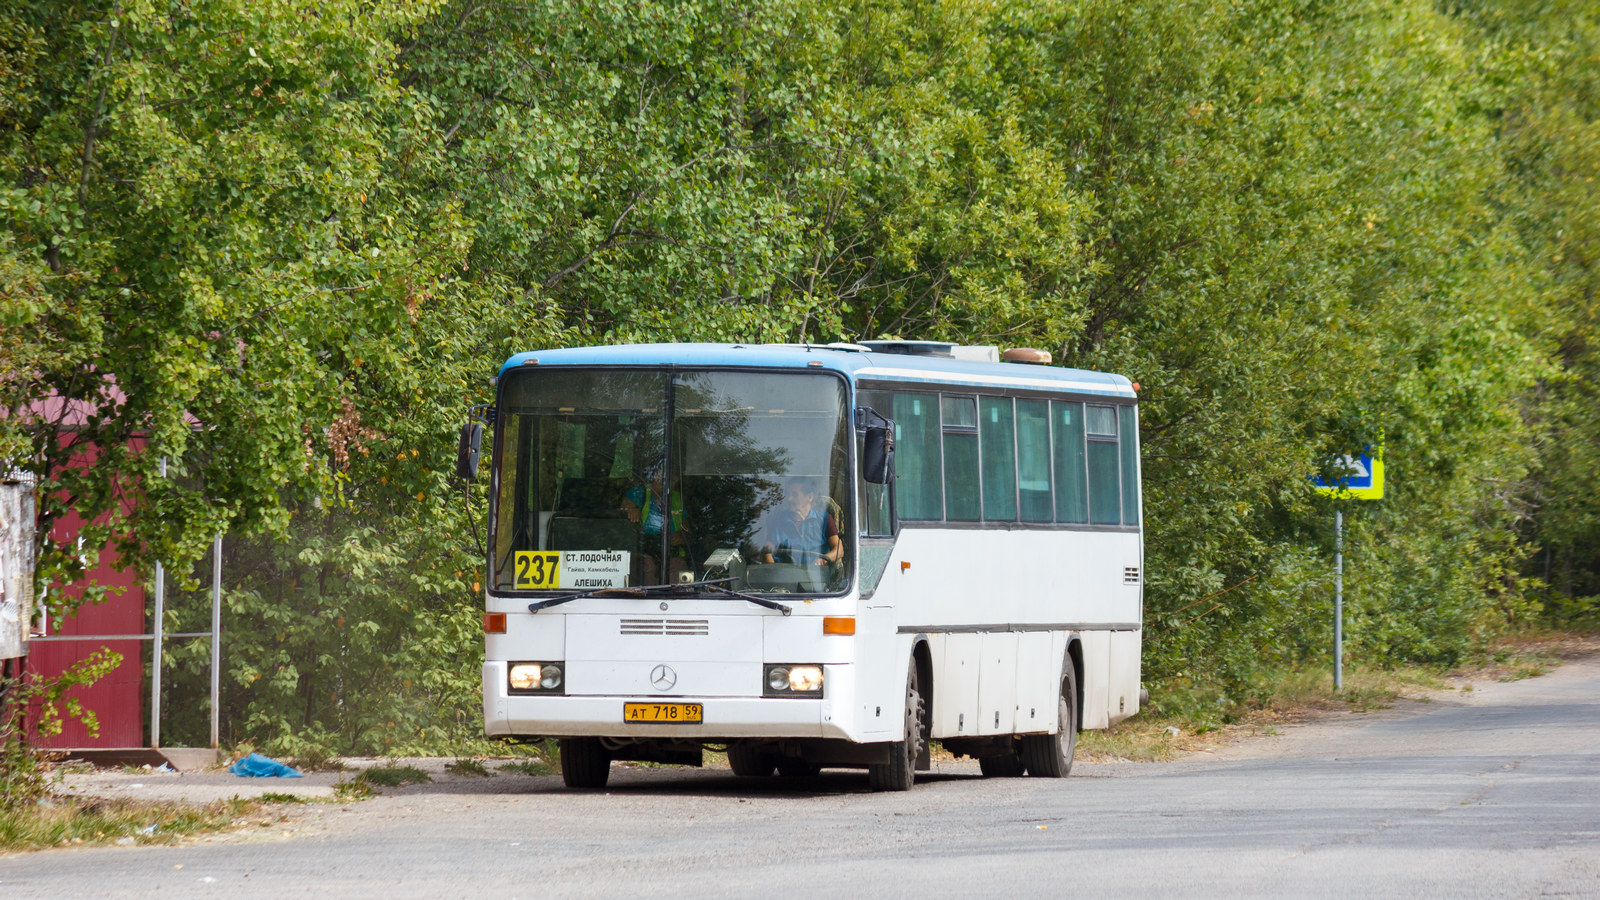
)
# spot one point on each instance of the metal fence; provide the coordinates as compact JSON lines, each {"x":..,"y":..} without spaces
{"x":16,"y":589}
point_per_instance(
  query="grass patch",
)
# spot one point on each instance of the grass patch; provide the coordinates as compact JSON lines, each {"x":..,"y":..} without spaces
{"x":365,"y":785}
{"x":1528,"y":654}
{"x":528,"y":767}
{"x":468,"y":767}
{"x":1525,"y":670}
{"x":353,"y":791}
{"x":316,"y":760}
{"x":1133,"y":739}
{"x":393,"y":776}
{"x":271,"y":797}
{"x":71,"y":821}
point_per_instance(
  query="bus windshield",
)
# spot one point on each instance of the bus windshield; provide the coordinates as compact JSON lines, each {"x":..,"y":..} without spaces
{"x":627,"y":477}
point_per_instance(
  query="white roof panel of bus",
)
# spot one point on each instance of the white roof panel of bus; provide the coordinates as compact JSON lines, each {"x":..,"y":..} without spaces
{"x":856,"y":364}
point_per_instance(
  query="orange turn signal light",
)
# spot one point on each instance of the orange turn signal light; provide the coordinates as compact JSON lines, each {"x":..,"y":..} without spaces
{"x":494,"y":623}
{"x":905,"y":565}
{"x":838,"y":625}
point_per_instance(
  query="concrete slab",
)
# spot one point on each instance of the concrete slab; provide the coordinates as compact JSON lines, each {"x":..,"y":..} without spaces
{"x":117,"y":756}
{"x":159,"y":786}
{"x":192,"y":759}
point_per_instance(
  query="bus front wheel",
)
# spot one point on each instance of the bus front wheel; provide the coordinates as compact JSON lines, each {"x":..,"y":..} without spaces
{"x":1050,"y":755}
{"x":901,"y":769}
{"x":584,"y":762}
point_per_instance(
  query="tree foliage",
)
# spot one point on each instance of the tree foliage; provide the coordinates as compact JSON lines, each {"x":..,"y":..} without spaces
{"x":284,"y":246}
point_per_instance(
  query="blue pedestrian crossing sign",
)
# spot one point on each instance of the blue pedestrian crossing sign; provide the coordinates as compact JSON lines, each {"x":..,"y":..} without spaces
{"x":1362,"y":477}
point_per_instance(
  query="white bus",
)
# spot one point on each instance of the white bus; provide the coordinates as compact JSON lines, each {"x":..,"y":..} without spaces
{"x":729,"y":546}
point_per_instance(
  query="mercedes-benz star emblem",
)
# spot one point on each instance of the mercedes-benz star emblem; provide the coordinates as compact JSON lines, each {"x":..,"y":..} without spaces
{"x":663,"y":678}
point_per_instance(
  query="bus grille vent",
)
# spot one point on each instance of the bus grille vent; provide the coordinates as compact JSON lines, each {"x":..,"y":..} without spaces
{"x":1130,"y":575}
{"x":690,"y":627}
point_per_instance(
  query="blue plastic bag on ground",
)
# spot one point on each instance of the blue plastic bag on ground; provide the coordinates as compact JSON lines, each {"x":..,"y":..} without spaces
{"x":257,"y":766}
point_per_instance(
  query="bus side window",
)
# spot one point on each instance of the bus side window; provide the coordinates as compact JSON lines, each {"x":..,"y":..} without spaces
{"x":1033,"y":460}
{"x":996,"y":429}
{"x":1105,"y":494}
{"x":1130,"y":464}
{"x":918,"y":484}
{"x":959,"y":418}
{"x":1072,"y":490}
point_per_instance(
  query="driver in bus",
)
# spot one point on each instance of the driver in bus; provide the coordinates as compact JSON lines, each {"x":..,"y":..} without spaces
{"x":798,"y":532}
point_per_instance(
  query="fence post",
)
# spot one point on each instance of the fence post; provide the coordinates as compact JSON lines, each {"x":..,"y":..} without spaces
{"x":156,"y":628}
{"x":216,"y":636}
{"x":1338,"y":600}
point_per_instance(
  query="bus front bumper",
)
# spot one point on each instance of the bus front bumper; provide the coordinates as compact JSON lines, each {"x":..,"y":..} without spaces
{"x":505,"y":715}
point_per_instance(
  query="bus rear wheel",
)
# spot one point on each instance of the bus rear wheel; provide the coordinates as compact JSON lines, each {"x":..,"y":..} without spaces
{"x":584,"y":762}
{"x":900,"y":771}
{"x":1050,"y":755}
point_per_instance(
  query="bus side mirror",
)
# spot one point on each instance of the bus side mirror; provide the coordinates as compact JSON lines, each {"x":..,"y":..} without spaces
{"x":467,"y":451}
{"x":877,"y":455}
{"x":877,"y":446}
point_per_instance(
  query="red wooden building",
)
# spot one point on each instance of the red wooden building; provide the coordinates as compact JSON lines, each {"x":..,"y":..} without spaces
{"x":117,"y":700}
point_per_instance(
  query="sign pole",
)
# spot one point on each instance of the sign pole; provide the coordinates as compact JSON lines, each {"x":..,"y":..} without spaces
{"x":1363,"y":480}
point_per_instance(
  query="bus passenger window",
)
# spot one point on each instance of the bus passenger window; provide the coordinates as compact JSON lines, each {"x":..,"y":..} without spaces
{"x":918,"y":493}
{"x":1130,"y":464}
{"x":996,"y":432}
{"x":1072,"y":491}
{"x":1033,"y":460}
{"x":1105,"y":494}
{"x":961,"y":485}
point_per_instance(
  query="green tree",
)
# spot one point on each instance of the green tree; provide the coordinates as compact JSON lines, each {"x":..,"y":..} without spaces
{"x":286,"y":248}
{"x":203,"y":240}
{"x":1541,"y":62}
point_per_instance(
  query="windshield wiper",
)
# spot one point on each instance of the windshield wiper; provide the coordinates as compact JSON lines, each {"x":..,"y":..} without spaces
{"x":557,"y":601}
{"x":749,"y":598}
{"x":657,"y":590}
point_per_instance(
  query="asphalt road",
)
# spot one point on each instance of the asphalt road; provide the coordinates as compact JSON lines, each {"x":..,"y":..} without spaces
{"x":1495,"y":793}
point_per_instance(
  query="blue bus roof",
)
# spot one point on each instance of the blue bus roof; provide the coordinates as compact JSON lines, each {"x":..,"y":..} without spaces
{"x":856,"y":365}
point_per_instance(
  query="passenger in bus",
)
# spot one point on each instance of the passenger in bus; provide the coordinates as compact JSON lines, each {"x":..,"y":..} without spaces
{"x":643,"y":505}
{"x":799,"y":532}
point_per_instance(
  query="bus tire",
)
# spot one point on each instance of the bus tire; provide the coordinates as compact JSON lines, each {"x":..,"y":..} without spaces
{"x":1050,"y":755}
{"x":584,"y":762}
{"x":900,"y":771}
{"x":749,"y":762}
{"x":1008,"y":766}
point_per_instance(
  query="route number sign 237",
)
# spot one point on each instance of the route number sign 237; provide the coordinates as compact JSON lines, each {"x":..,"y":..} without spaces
{"x":538,"y":570}
{"x":585,"y":570}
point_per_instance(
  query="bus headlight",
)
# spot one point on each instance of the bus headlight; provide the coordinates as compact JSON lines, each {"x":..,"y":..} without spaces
{"x":535,"y":678}
{"x":805,"y":679}
{"x":788,"y":680}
